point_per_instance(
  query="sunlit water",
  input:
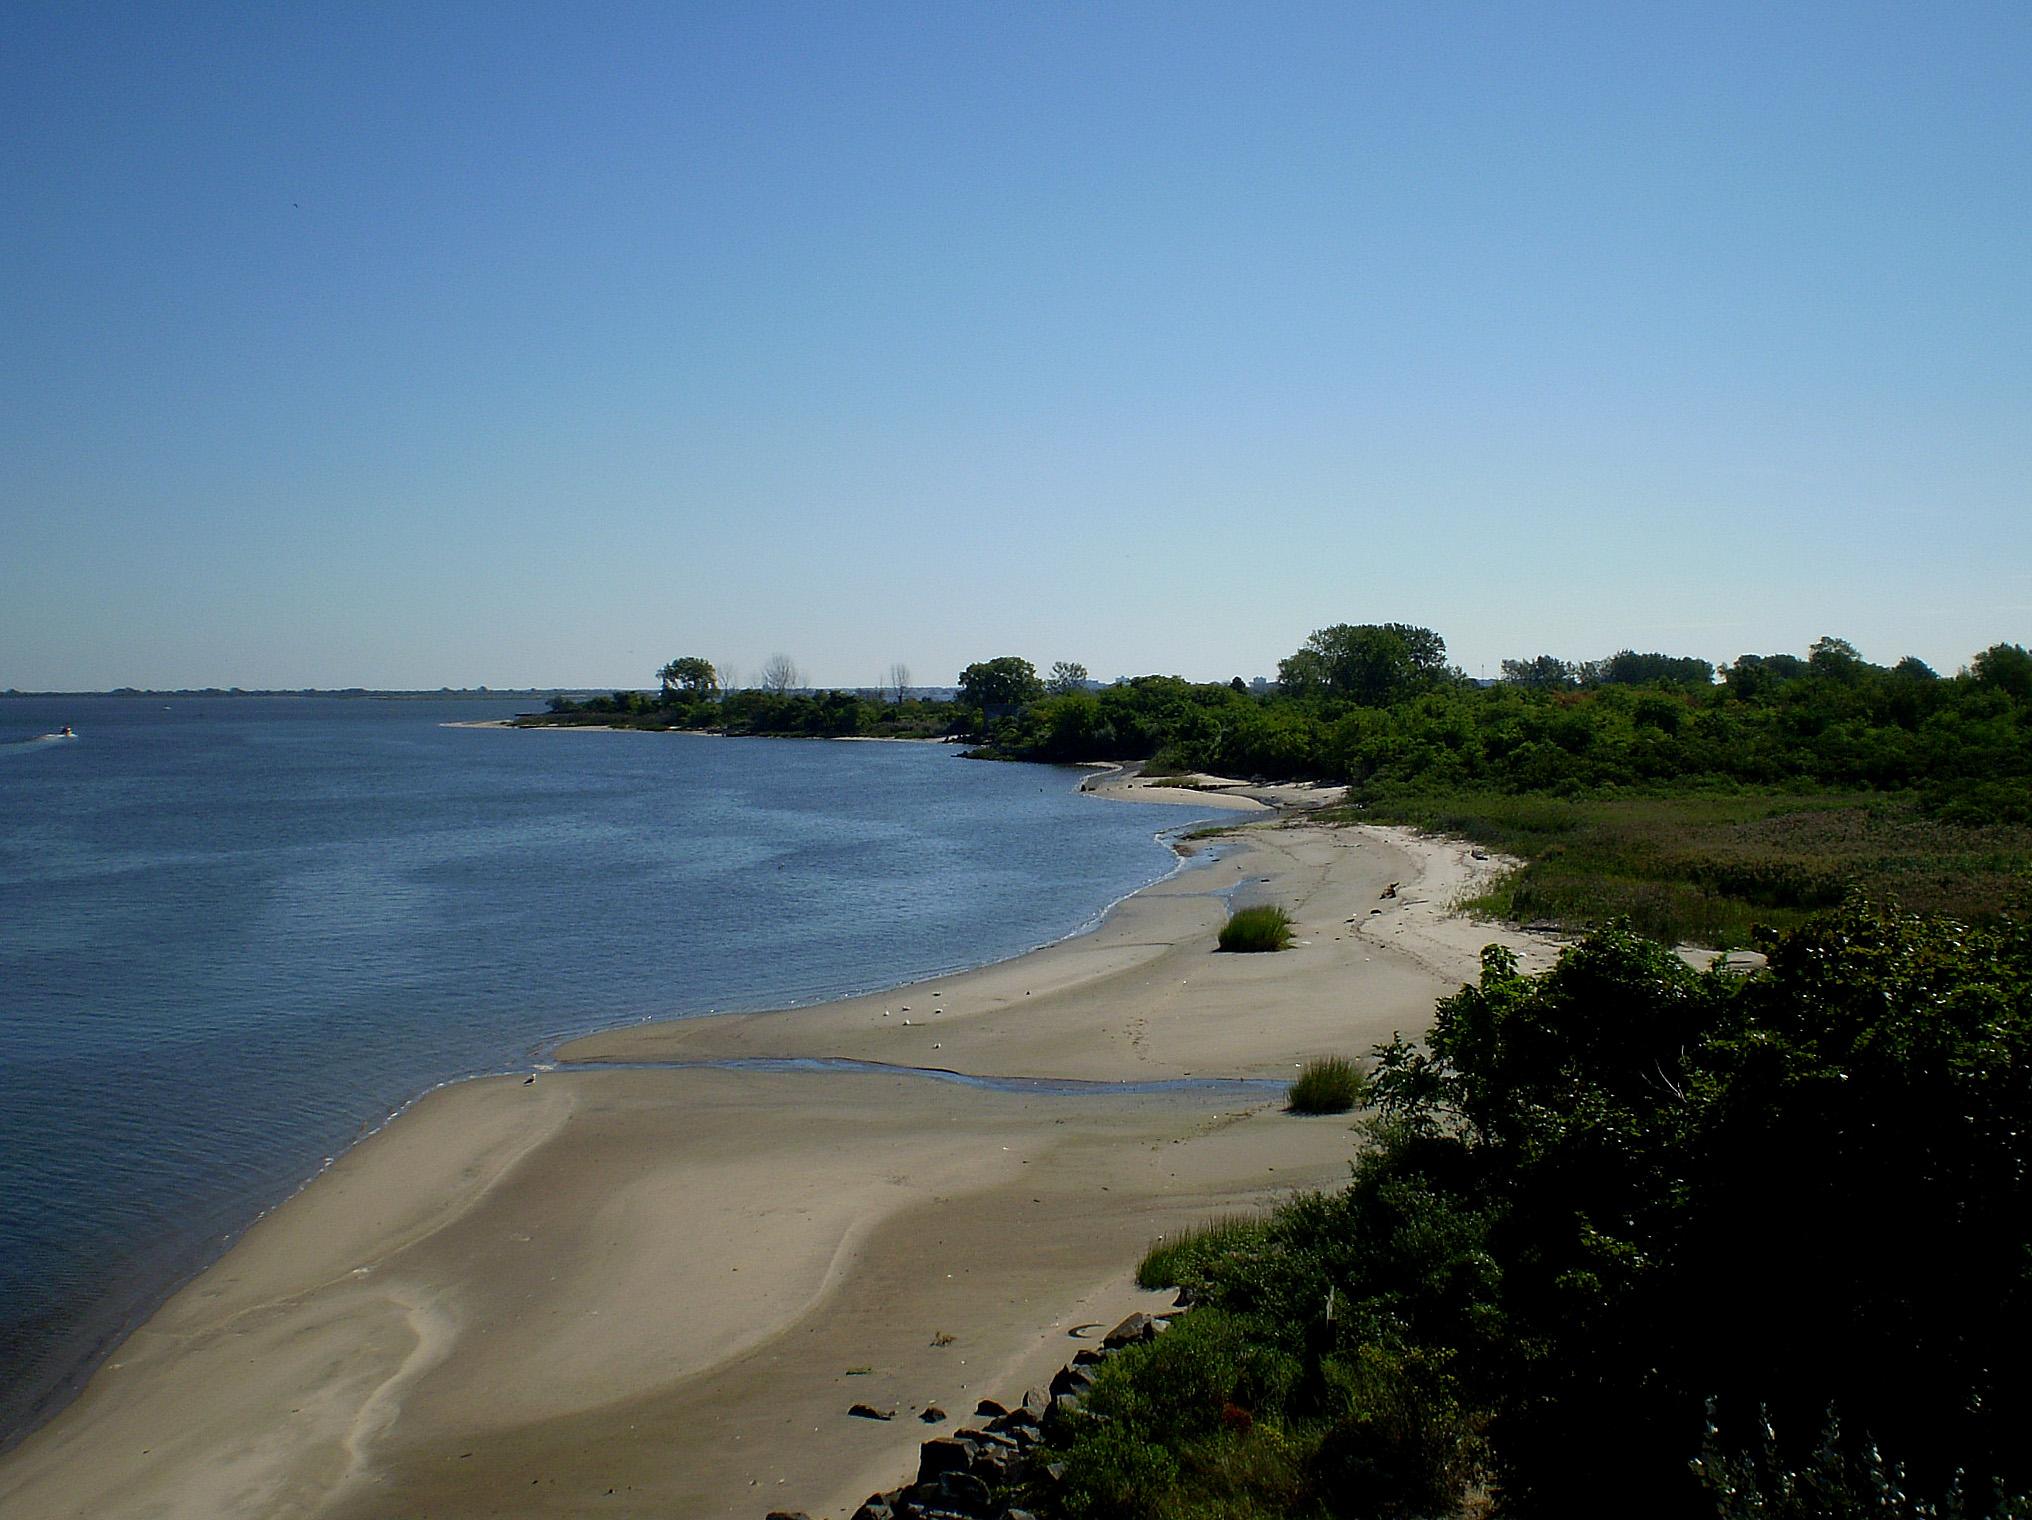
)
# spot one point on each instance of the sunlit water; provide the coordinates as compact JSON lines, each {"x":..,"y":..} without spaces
{"x":236,"y":933}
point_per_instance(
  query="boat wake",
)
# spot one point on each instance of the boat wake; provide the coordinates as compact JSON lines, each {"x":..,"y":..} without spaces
{"x":36,"y":741}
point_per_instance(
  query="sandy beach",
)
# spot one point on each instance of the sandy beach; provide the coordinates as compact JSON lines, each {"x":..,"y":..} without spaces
{"x":656,"y":1289}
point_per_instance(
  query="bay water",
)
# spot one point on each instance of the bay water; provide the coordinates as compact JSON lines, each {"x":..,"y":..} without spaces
{"x":236,"y":933}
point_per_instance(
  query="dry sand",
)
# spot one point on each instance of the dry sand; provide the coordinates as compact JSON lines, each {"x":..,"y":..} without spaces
{"x":657,"y":1291}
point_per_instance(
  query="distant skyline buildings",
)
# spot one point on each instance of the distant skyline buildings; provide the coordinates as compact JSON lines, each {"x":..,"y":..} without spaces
{"x":403,"y":347}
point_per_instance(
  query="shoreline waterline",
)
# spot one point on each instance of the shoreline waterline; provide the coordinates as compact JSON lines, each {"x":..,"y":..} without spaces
{"x":373,"y":915}
{"x":817,"y":1188}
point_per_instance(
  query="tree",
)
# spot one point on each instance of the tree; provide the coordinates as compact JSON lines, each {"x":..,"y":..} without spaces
{"x":691,"y":675}
{"x":779,"y":674}
{"x":1006,"y":681}
{"x":1371,"y":663}
{"x":1835,"y":657}
{"x":1067,"y":677}
{"x":1545,"y":673}
{"x":899,"y":682}
{"x":1626,"y":667}
{"x":2007,"y":667}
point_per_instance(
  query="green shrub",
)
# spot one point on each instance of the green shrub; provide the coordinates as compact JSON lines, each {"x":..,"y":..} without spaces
{"x":1330,"y":1085}
{"x":1260,"y":928}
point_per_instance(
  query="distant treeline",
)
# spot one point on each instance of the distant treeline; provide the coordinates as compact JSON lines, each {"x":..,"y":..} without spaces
{"x":805,"y":715}
{"x":1378,"y":708}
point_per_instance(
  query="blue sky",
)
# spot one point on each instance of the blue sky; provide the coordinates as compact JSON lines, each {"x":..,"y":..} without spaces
{"x":413,"y":345}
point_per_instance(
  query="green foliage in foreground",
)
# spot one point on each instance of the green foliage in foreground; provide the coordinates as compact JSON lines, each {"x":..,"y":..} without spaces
{"x":1624,"y":1238}
{"x":1265,"y":927}
{"x":1329,"y":1085}
{"x":1710,"y":868}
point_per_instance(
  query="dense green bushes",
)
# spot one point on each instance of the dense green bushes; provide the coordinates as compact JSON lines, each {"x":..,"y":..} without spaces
{"x":1964,"y":744}
{"x":815,"y":715}
{"x":1607,"y":1207}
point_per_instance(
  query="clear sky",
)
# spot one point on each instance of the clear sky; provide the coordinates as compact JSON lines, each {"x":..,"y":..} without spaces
{"x":422,"y":344}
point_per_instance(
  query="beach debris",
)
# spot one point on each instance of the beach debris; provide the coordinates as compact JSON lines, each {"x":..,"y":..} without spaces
{"x":859,"y":1371}
{"x":932,"y":1414}
{"x":940,"y":1338}
{"x":870,"y":1412}
{"x":1391,"y":890}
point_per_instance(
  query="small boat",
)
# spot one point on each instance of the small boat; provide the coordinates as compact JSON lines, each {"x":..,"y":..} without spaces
{"x":66,"y":732}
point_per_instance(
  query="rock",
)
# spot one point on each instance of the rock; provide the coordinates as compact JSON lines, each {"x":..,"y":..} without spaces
{"x":1133,"y":1329}
{"x":1087,"y":1358}
{"x":989,"y":1407}
{"x":878,"y":1507}
{"x":1075,"y":1380}
{"x":943,"y":1455}
{"x":1036,"y":1401}
{"x":932,"y":1414}
{"x":870,"y":1412}
{"x":966,"y":1491}
{"x":786,"y":1514}
{"x":1067,"y":1402}
{"x":1016,"y":1514}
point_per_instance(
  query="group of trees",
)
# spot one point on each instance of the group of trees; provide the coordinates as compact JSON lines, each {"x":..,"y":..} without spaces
{"x":1379,"y":708}
{"x":1632,"y":1239}
{"x":1625,"y":668}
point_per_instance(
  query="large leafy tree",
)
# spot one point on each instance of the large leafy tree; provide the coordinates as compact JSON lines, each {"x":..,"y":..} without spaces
{"x":689,"y":674}
{"x":1007,"y":681}
{"x":1370,"y":663}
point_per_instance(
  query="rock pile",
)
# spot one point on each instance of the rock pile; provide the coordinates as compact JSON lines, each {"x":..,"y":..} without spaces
{"x":964,"y":1476}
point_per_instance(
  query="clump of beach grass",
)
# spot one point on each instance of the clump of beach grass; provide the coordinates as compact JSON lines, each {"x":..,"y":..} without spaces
{"x":1260,"y":928}
{"x":1181,"y":1258}
{"x":1329,"y":1085}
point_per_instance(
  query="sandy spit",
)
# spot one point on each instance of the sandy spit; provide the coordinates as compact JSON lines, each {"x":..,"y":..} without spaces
{"x":615,"y":1290}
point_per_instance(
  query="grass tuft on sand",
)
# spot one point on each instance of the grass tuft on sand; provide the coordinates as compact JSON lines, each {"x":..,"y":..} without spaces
{"x":1260,"y":928}
{"x":1329,"y":1085}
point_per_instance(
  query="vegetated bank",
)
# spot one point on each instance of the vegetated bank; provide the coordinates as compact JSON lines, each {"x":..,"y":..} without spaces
{"x":1638,"y":785}
{"x":1628,"y":1239}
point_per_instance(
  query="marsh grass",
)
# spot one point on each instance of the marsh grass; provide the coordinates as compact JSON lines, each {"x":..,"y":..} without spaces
{"x":1329,"y":1085}
{"x":1178,"y":1258}
{"x":1260,"y":928}
{"x":1710,"y":868}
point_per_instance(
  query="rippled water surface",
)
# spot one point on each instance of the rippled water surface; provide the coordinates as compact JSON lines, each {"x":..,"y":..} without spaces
{"x":236,"y":933}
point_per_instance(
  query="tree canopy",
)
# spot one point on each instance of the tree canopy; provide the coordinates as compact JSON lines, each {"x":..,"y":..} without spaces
{"x":690,"y":675}
{"x":1373,"y":664}
{"x":1006,"y":681}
